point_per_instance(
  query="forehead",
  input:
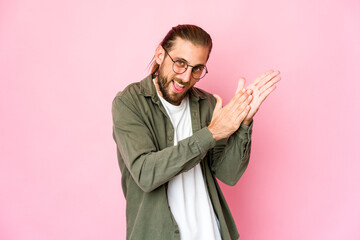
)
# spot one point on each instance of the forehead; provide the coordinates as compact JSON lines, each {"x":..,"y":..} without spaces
{"x":193,"y":54}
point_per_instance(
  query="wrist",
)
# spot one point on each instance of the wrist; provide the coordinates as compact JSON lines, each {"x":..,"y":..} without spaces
{"x":247,"y":122}
{"x":213,"y":133}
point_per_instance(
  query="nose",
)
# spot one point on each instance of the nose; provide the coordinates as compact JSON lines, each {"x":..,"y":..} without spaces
{"x":186,"y":76}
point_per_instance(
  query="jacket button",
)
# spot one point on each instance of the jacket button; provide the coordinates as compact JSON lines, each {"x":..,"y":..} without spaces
{"x":170,"y":138}
{"x":177,"y":231}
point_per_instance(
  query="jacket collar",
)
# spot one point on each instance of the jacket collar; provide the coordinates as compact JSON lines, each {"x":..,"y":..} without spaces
{"x":148,"y":89}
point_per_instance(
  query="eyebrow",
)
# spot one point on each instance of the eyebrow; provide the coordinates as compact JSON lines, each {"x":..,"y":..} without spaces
{"x":183,"y":59}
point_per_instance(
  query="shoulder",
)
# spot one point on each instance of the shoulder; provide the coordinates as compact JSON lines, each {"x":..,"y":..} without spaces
{"x":136,"y":91}
{"x":127,"y":99}
{"x":131,"y":90}
{"x":136,"y":97}
{"x":126,"y":103}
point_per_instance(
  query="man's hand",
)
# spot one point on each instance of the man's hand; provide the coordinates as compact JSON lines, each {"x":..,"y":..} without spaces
{"x":261,"y":87}
{"x":226,"y":120}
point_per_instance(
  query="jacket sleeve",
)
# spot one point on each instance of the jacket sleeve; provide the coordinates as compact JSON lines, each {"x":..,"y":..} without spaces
{"x":230,"y":157}
{"x":148,"y":166}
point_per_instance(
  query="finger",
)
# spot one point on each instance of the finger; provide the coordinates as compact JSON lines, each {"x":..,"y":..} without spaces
{"x":267,"y":78}
{"x":243,"y":114}
{"x":262,"y":76}
{"x":219,"y":101}
{"x":241,"y":85}
{"x":242,"y":98}
{"x":242,"y":105}
{"x":265,"y":94}
{"x":270,"y":84}
{"x":239,"y":98}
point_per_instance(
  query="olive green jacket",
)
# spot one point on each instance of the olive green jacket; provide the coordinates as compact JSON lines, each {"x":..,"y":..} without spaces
{"x":148,"y":159}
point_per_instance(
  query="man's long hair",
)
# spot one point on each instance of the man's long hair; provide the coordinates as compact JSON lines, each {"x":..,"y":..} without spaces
{"x":196,"y":35}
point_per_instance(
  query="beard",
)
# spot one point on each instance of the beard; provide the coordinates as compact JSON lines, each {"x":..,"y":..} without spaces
{"x":164,"y":85}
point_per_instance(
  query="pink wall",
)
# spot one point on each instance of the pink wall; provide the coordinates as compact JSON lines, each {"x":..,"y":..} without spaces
{"x":62,"y":62}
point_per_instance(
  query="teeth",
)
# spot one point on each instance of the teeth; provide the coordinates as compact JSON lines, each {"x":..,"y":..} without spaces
{"x":178,"y":84}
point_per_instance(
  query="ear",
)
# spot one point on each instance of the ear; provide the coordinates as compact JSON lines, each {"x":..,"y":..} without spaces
{"x":159,"y":54}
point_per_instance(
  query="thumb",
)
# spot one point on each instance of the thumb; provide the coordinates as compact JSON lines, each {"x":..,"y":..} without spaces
{"x":218,"y":105}
{"x":241,"y":85}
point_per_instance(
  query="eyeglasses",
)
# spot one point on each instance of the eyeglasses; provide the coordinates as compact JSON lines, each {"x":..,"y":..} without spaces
{"x":180,"y":66}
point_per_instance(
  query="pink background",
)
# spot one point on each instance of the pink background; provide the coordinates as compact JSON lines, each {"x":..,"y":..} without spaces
{"x":62,"y":62}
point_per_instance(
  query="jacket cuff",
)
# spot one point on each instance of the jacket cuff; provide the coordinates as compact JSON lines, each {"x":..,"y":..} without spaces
{"x":245,"y":131}
{"x":204,"y":140}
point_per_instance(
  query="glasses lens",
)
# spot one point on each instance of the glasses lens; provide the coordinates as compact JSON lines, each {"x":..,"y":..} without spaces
{"x":199,"y":72}
{"x":179,"y":66}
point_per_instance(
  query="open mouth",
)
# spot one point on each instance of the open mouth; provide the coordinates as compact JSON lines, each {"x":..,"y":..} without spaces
{"x":178,"y":87}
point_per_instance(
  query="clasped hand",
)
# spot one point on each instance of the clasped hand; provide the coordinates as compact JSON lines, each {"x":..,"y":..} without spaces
{"x":243,"y":106}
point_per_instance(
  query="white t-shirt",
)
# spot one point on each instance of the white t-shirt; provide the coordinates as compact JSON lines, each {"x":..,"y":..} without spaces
{"x":187,"y":193}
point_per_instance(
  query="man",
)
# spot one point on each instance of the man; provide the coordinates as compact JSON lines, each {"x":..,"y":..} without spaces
{"x":173,"y":139}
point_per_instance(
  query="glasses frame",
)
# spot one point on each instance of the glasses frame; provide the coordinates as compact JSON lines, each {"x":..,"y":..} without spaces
{"x":187,"y":66}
